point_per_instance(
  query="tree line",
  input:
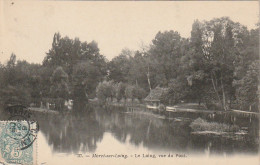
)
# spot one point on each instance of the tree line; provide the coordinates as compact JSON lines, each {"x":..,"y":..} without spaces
{"x":108,"y":90}
{"x":218,"y":66}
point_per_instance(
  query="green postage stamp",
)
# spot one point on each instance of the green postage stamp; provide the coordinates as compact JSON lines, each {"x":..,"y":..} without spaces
{"x":18,"y":142}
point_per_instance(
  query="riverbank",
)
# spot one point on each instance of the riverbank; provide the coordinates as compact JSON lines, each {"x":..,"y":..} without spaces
{"x":42,"y":110}
{"x":181,"y":108}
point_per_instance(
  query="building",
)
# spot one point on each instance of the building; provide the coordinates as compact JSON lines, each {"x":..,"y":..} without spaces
{"x":155,"y":96}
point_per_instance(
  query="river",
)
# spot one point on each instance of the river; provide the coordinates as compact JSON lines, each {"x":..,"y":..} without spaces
{"x":98,"y":131}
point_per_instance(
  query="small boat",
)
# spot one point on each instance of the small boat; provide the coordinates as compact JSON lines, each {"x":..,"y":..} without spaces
{"x":151,"y":107}
{"x":170,"y":109}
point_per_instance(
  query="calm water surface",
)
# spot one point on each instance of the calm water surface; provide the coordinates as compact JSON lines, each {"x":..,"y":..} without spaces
{"x":105,"y":131}
{"x":102,"y":131}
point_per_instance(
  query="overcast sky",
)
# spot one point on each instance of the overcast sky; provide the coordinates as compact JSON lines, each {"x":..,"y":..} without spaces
{"x":27,"y":28}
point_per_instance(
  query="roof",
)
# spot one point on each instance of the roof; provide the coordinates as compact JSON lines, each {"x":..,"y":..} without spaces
{"x":155,"y":94}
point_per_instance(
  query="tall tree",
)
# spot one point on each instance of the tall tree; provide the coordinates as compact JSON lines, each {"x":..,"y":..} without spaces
{"x":85,"y":78}
{"x":165,"y":53}
{"x":76,"y":58}
{"x":217,"y":42}
{"x":119,"y":66}
{"x":59,"y":88}
{"x":247,"y":87}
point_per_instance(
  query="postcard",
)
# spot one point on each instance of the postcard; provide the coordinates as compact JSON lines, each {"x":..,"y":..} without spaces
{"x":129,"y":82}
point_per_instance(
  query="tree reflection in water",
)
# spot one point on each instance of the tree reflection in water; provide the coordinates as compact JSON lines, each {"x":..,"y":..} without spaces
{"x":71,"y":133}
{"x":80,"y":133}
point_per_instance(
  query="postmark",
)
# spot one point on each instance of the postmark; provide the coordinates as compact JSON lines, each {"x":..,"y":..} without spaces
{"x":18,"y":135}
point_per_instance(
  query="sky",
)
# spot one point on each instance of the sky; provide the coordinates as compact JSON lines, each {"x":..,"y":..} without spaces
{"x":27,"y":27}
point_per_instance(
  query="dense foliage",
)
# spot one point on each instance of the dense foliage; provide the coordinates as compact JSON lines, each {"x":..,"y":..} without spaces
{"x":217,"y":66}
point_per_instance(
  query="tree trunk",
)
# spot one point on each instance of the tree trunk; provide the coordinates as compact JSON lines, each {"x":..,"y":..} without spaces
{"x":148,"y":78}
{"x":223,"y":93}
{"x":215,"y":89}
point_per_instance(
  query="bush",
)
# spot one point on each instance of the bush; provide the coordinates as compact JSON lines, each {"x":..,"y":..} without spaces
{"x":202,"y":125}
{"x":15,"y":95}
{"x":104,"y":90}
{"x":129,"y":92}
{"x":139,"y":93}
{"x":120,"y":91}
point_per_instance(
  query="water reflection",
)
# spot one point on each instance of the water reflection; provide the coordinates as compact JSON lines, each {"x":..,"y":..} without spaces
{"x":76,"y":133}
{"x":71,"y":133}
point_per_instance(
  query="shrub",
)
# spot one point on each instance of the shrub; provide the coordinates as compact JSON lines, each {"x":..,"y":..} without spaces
{"x":202,"y":125}
{"x":104,"y":90}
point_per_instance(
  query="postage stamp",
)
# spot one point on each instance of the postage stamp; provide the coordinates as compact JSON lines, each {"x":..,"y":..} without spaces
{"x":18,"y":142}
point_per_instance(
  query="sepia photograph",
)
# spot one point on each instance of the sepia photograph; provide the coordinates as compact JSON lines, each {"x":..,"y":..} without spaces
{"x":129,"y":82}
